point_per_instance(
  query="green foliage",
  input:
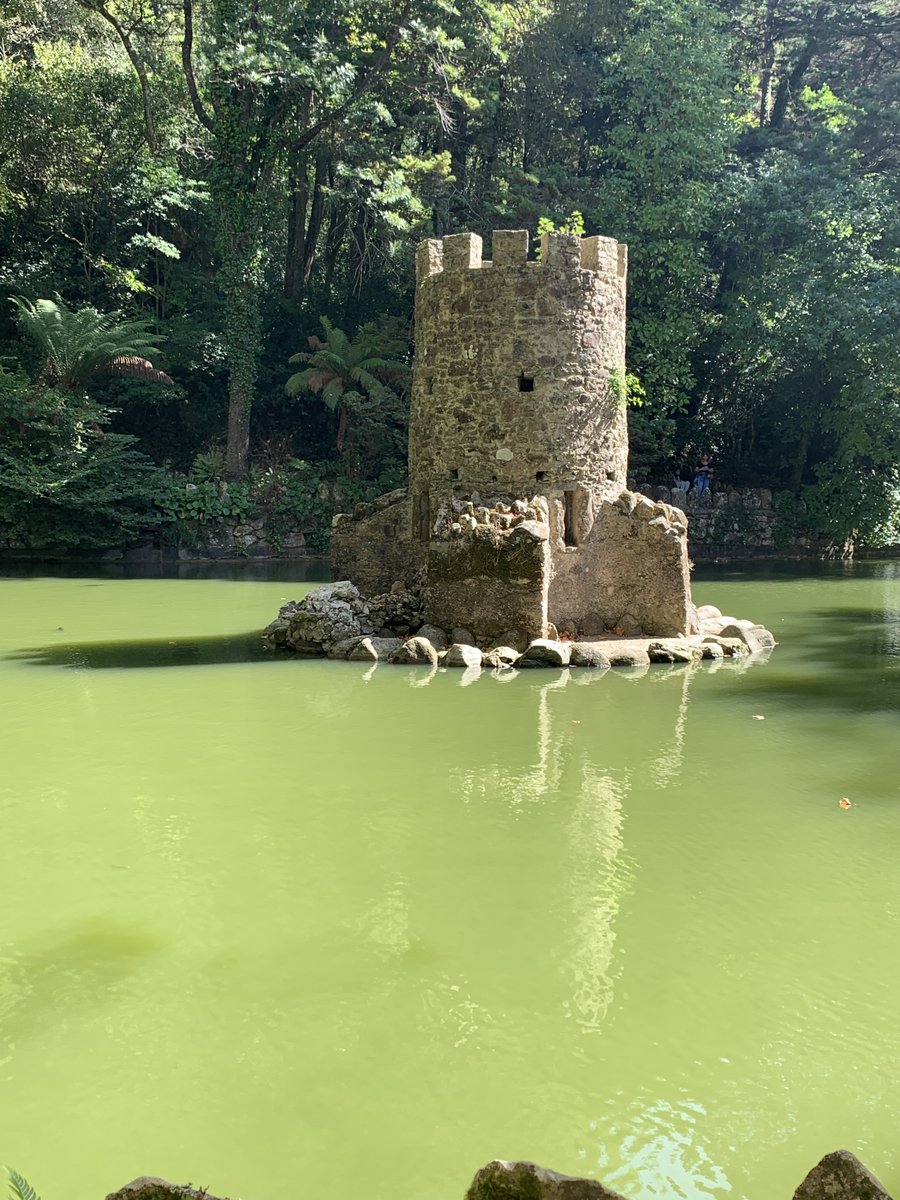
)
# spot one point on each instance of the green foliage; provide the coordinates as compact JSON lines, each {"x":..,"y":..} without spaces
{"x":789,"y":514}
{"x":292,"y":496}
{"x":626,"y":387}
{"x":64,"y":482}
{"x":19,"y":1187}
{"x":78,"y":345}
{"x":748,"y":153}
{"x":349,"y":376}
{"x":573,"y":224}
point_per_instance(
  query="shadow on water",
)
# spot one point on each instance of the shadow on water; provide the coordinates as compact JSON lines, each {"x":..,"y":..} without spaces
{"x":152,"y":652}
{"x":856,"y":652}
{"x":794,"y":570}
{"x":306,"y":570}
{"x":78,"y":967}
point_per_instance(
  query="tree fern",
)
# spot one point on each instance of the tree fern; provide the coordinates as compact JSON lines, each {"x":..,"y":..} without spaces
{"x":343,"y":372}
{"x":19,"y":1187}
{"x":77,"y":345}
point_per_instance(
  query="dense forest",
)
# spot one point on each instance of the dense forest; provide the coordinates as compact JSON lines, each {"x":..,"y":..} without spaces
{"x":209,"y":210}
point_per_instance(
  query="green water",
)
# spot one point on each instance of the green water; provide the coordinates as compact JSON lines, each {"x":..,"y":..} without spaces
{"x":289,"y":928}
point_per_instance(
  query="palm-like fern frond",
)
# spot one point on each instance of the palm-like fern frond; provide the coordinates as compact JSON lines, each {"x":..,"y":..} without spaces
{"x":19,"y":1187}
{"x":343,"y":372}
{"x":79,"y":344}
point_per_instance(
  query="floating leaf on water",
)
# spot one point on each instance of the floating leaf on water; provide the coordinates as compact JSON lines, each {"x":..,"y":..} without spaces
{"x":844,"y":802}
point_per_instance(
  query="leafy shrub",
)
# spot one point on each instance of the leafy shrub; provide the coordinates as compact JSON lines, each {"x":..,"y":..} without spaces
{"x":64,"y":482}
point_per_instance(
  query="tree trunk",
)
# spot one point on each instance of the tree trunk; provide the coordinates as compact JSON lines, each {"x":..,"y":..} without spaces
{"x":768,"y":62}
{"x":800,"y":462}
{"x":241,"y":334}
{"x":293,"y":267}
{"x":311,"y":240}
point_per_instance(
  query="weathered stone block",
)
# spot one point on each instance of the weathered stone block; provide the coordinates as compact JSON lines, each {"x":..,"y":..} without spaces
{"x":493,"y":584}
{"x":436,"y":636}
{"x":462,"y":252}
{"x":509,"y":248}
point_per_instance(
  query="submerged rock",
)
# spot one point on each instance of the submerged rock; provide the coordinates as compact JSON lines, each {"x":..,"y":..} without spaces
{"x":500,"y":656}
{"x":628,"y":656}
{"x":754,"y":637}
{"x":840,"y":1176}
{"x":527,"y":1181}
{"x":374,"y":649}
{"x":674,"y":651}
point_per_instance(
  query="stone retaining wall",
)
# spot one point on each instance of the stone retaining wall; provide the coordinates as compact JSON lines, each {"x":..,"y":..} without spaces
{"x":736,"y":523}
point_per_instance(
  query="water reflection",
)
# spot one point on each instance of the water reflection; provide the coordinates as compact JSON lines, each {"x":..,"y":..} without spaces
{"x":563,"y":767}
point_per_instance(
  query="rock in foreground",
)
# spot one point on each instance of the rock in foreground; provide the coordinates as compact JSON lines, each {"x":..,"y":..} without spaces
{"x":149,"y":1187}
{"x":840,"y":1176}
{"x":501,"y":1180}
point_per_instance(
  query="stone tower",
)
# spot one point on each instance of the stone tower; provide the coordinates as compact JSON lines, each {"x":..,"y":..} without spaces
{"x":517,"y":514}
{"x":519,"y":367}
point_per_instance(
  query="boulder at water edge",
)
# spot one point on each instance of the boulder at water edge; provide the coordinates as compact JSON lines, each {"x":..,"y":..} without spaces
{"x":840,"y":1176}
{"x":149,"y":1187}
{"x":415,"y":650}
{"x":527,"y":1181}
{"x":461,"y":654}
{"x":545,"y":652}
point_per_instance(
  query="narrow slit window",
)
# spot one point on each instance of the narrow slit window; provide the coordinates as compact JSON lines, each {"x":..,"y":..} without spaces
{"x":421,"y":516}
{"x":454,"y":472}
{"x":540,"y":476}
{"x":526,"y":383}
{"x":570,"y":537}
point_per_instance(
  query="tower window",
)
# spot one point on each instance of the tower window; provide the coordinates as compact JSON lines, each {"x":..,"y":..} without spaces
{"x":454,"y":472}
{"x":570,"y":537}
{"x":526,"y":383}
{"x":540,"y":476}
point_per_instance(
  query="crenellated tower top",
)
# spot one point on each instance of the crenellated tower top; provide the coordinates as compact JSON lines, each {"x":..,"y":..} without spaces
{"x":561,"y":251}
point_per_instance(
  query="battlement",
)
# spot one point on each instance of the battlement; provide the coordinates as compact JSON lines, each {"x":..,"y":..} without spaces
{"x":561,"y":251}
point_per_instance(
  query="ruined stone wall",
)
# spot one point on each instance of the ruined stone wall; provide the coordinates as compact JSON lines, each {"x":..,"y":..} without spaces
{"x":488,"y":569}
{"x":371,"y":545}
{"x":630,"y":573}
{"x":512,"y":387}
{"x":644,"y":571}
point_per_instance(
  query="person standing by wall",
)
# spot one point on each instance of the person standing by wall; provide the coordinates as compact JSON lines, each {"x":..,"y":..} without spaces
{"x":703,"y":475}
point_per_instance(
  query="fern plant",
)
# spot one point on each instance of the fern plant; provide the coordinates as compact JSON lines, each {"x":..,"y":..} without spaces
{"x":77,"y":345}
{"x":344,"y":373}
{"x":19,"y":1187}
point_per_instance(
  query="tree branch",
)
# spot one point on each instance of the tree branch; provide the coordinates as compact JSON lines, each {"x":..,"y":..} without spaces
{"x":139,"y":69}
{"x":364,"y":84}
{"x":187,"y":63}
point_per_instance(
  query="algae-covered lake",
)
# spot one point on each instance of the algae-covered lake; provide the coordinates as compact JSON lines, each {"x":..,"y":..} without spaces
{"x":301,"y":928}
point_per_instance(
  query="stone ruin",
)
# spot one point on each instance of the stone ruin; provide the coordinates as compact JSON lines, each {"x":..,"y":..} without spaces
{"x":517,"y":523}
